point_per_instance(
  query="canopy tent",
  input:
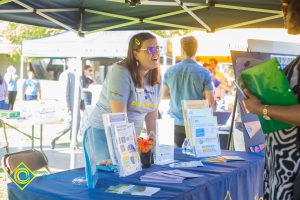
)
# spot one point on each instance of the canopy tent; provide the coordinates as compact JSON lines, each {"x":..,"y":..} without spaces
{"x":104,"y":44}
{"x":86,"y":16}
{"x":68,"y":44}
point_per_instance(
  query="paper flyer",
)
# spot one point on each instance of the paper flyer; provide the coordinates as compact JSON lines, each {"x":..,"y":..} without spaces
{"x":139,"y":190}
{"x":108,"y":120}
{"x":222,"y":159}
{"x":205,"y":136}
{"x":127,"y":154}
{"x":188,"y":164}
{"x":191,"y":104}
{"x":168,"y":176}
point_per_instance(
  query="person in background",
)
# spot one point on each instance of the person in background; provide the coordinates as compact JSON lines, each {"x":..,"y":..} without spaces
{"x":186,"y":80}
{"x":67,"y":82}
{"x":3,"y":94}
{"x":132,"y":86}
{"x":32,"y":87}
{"x":206,"y":65}
{"x":11,"y":79}
{"x":282,"y":154}
{"x":219,"y":80}
{"x":87,"y":79}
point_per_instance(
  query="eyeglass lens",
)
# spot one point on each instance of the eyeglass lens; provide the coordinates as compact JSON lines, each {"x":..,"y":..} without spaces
{"x":151,"y":50}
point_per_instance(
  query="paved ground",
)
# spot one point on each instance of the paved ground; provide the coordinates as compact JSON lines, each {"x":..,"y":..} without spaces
{"x":59,"y":158}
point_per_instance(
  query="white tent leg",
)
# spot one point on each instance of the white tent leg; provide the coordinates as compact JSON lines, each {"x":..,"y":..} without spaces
{"x":165,"y":60}
{"x":22,"y":68}
{"x":75,"y":112}
{"x":173,"y":60}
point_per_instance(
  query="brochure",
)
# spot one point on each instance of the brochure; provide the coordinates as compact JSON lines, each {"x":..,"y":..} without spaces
{"x":124,"y":141}
{"x":108,"y":120}
{"x":168,"y":176}
{"x":191,"y":104}
{"x":222,"y":159}
{"x":132,"y":189}
{"x":201,"y":128}
{"x":197,"y":163}
{"x":205,"y":136}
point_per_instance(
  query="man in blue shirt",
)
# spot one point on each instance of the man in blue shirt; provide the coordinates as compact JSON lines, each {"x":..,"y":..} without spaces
{"x":186,"y":80}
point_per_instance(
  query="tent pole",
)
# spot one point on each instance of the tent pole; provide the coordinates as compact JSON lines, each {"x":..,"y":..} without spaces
{"x":173,"y":60}
{"x":76,"y":111}
{"x":229,"y":145}
{"x":165,"y":61}
{"x":22,"y":68}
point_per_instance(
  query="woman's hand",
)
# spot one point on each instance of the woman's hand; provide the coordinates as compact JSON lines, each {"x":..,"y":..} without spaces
{"x":289,"y":114}
{"x":252,"y":103}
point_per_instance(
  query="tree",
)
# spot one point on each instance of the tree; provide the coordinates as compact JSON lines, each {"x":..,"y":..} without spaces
{"x":171,"y":33}
{"x":16,"y":33}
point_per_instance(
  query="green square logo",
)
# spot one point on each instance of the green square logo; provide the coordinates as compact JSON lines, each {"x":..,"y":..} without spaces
{"x":22,"y":176}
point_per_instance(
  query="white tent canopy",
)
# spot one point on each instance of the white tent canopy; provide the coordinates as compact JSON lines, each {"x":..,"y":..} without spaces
{"x":69,"y":44}
{"x":104,"y":44}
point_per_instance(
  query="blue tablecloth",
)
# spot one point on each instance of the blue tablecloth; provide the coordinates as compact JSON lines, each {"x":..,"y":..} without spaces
{"x":236,"y":180}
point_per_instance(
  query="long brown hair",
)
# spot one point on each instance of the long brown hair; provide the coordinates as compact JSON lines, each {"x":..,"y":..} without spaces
{"x":131,"y":63}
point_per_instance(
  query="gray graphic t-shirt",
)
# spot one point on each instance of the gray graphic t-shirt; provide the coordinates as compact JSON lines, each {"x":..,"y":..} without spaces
{"x":120,"y":87}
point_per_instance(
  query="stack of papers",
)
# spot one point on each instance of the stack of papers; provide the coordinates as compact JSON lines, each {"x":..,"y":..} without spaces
{"x":186,"y":164}
{"x":222,"y":159}
{"x":169,"y":176}
{"x":201,"y":128}
{"x":132,"y":190}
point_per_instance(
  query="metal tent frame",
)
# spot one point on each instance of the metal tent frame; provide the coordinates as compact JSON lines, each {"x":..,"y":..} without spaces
{"x":88,"y":16}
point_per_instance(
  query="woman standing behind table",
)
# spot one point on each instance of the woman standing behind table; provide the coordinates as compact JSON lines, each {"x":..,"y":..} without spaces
{"x":282,"y":156}
{"x":132,"y":86}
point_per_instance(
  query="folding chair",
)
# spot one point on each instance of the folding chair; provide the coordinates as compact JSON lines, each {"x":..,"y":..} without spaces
{"x":5,"y":143}
{"x":33,"y":159}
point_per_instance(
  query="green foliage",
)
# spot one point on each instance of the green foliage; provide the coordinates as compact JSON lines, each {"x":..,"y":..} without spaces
{"x":16,"y":33}
{"x":171,"y":33}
